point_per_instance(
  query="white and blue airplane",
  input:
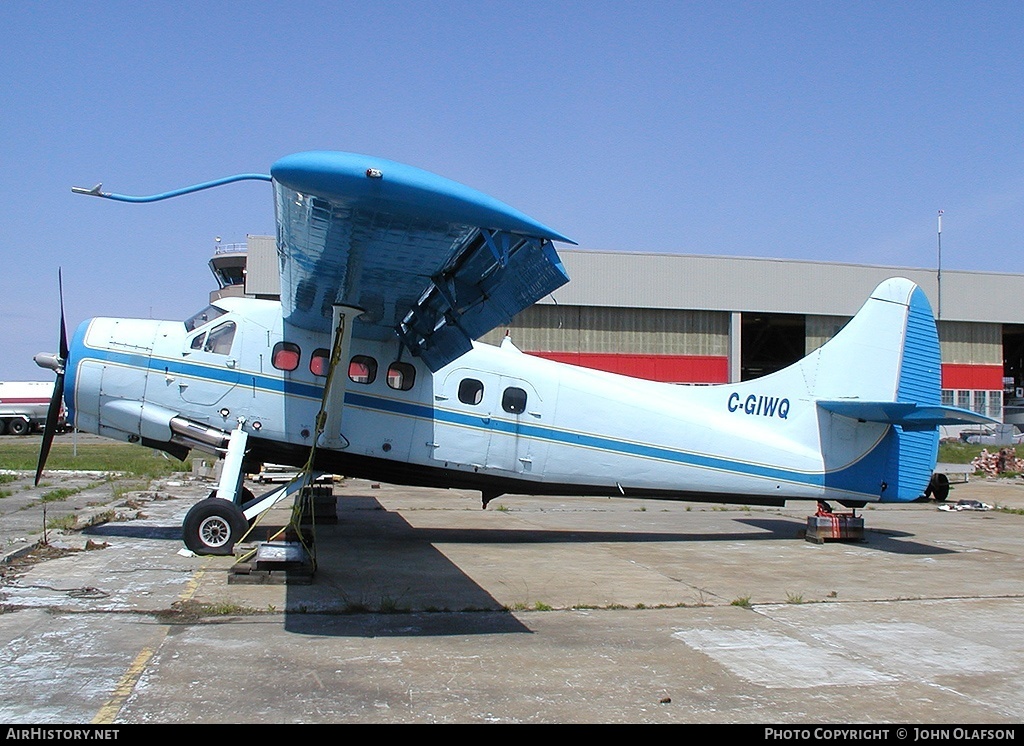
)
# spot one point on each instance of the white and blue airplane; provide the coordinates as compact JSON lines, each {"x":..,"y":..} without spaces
{"x":368,"y":367}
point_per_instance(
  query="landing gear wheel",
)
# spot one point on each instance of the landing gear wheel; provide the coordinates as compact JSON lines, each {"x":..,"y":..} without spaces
{"x":938,"y":487}
{"x":213,"y":526}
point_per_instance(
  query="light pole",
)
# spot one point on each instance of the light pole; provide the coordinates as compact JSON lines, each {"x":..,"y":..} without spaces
{"x":938,"y":274}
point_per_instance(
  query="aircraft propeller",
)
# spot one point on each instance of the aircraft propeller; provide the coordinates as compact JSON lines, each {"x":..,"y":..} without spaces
{"x":55,"y":363}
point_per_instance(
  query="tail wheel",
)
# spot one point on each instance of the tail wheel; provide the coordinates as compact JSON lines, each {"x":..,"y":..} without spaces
{"x":213,"y":526}
{"x":938,"y":487}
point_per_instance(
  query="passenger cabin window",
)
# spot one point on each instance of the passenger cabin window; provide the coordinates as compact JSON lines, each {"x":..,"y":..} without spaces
{"x":362,"y":369}
{"x":285,"y":356}
{"x":218,"y":340}
{"x":401,"y":376}
{"x":514,"y":400}
{"x":471,"y":391}
{"x":320,"y":362}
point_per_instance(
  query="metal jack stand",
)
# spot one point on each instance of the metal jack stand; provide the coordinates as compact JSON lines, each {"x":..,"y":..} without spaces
{"x":289,"y":555}
{"x":828,"y":526}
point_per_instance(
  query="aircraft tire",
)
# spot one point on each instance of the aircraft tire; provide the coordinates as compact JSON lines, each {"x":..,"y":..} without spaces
{"x":213,"y":526}
{"x":246,"y":494}
{"x":938,"y":487}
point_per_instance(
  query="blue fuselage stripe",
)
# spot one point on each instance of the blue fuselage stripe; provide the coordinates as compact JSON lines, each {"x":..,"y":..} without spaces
{"x":148,"y":364}
{"x":584,"y":440}
{"x":281,"y":386}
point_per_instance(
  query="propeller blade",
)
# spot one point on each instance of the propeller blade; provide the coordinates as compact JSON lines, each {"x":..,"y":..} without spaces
{"x":56,"y":402}
{"x":57,"y":399}
{"x":63,"y":330}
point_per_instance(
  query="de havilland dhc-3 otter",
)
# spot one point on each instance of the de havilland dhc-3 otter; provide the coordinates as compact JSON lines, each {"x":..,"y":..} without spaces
{"x":368,"y":366}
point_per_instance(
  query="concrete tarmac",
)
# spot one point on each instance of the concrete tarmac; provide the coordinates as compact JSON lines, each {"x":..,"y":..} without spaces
{"x":426,"y":609}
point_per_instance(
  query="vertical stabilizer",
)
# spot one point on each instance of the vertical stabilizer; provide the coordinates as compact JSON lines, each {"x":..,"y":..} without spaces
{"x":879,"y":380}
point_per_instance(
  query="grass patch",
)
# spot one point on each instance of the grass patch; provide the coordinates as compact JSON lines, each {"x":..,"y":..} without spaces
{"x":105,"y":517}
{"x":961,"y":453}
{"x":62,"y":523}
{"x":63,"y":493}
{"x":112,"y":456}
{"x":190,"y":611}
{"x":743,"y":601}
{"x":535,"y":606}
{"x":120,"y":489}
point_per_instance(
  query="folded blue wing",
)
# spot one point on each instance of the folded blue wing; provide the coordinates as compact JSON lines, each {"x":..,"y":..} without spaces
{"x":428,"y":259}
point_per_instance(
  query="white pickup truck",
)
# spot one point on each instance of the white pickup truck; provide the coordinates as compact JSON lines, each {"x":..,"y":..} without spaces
{"x":23,"y":406}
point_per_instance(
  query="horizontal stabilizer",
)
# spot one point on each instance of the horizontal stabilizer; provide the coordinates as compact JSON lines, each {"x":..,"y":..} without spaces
{"x":908,"y":415}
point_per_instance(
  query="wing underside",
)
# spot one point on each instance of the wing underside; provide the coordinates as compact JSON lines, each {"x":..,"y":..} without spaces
{"x":427,"y":259}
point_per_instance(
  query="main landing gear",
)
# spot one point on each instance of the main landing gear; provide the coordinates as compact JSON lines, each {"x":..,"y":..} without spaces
{"x":215,"y":525}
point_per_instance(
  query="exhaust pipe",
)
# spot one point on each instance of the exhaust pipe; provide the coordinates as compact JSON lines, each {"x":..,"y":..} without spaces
{"x":193,"y":435}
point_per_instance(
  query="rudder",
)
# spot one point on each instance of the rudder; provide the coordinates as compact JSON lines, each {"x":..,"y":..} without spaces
{"x":914,"y":452}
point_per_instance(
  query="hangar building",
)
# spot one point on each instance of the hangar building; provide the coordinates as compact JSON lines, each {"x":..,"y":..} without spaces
{"x":692,"y":319}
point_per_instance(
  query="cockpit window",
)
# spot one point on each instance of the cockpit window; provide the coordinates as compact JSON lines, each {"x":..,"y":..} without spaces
{"x":205,"y":316}
{"x":218,"y":341}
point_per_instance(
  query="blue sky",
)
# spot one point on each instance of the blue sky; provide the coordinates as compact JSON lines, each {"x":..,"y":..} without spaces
{"x":803,"y":130}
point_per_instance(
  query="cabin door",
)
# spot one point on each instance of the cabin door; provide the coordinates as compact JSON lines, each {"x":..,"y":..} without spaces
{"x":518,"y":413}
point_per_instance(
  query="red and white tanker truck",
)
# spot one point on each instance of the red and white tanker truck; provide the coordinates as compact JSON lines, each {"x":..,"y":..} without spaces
{"x":23,"y":406}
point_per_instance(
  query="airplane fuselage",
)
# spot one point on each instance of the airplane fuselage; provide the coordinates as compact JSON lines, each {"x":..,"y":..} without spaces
{"x":496,"y":419}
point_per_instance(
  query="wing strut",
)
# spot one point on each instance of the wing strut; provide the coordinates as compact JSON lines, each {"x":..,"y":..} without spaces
{"x":328,"y":420}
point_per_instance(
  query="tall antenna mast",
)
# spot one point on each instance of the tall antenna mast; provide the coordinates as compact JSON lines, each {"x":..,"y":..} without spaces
{"x":938,"y":274}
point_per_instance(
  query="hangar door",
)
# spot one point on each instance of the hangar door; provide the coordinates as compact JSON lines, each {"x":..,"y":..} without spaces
{"x":770,"y":342}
